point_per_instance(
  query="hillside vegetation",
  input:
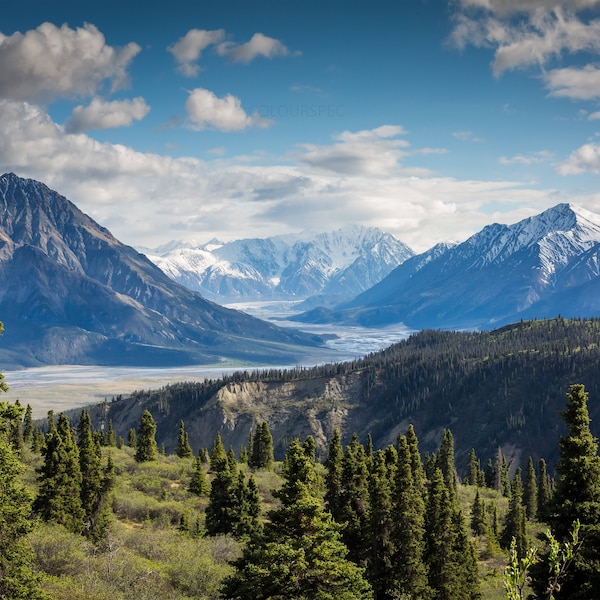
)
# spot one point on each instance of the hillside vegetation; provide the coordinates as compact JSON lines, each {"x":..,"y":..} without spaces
{"x":501,"y":388}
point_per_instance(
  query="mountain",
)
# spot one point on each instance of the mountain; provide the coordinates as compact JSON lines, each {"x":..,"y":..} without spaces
{"x":542,"y":266}
{"x":499,"y":388}
{"x":339,"y":264}
{"x":72,"y":293}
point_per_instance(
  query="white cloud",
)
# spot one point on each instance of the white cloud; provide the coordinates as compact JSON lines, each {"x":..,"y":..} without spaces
{"x":527,"y":159}
{"x":105,"y":115}
{"x":576,"y":83}
{"x":546,"y":31}
{"x":368,"y":152}
{"x":584,"y":159}
{"x":594,"y":116}
{"x":148,"y":199}
{"x":51,"y":62}
{"x":466,"y":136}
{"x":205,"y":109}
{"x":187,"y":49}
{"x":259,"y":45}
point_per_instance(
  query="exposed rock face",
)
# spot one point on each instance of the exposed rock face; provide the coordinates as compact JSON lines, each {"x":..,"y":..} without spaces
{"x":72,"y":293}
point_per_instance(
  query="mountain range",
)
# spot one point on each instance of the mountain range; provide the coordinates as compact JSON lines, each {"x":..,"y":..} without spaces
{"x":72,"y":293}
{"x":332,"y":266}
{"x":542,"y":266}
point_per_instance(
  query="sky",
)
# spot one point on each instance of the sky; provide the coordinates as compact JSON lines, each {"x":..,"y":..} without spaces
{"x":232,"y":119}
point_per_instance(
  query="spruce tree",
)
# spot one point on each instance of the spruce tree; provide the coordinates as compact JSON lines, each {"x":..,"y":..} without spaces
{"x":445,"y":460}
{"x":380,"y":571}
{"x":450,"y":555}
{"x":543,"y":495}
{"x":17,"y":579}
{"x":473,"y":469}
{"x":333,"y":476}
{"x":59,"y":495}
{"x":132,"y":438}
{"x":530,"y":491}
{"x":577,"y":497}
{"x":183,"y":450}
{"x":92,"y":475}
{"x":261,"y":456}
{"x":146,"y":449}
{"x":354,"y":505}
{"x":222,"y":504}
{"x":299,"y":555}
{"x":28,"y":425}
{"x":416,"y":463}
{"x":310,"y":448}
{"x":408,"y":533}
{"x":514,"y":524}
{"x":478,"y":516}
{"x":199,"y":482}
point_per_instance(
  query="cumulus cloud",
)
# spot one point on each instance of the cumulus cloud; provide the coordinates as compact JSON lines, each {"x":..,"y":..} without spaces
{"x":187,"y":49}
{"x":105,"y":115}
{"x":206,"y":109}
{"x":576,"y":83}
{"x":51,"y":62}
{"x":148,"y":199}
{"x":584,"y":159}
{"x":259,"y":45}
{"x":546,"y":31}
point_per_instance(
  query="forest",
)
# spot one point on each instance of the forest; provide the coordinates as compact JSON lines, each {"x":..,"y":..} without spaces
{"x":86,"y":513}
{"x":503,"y":387}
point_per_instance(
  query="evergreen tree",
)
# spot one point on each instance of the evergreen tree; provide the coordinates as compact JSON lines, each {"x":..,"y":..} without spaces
{"x":577,"y":497}
{"x":530,"y":491}
{"x":490,"y":474}
{"x":333,"y":476}
{"x":543,"y":495}
{"x":247,"y":508}
{"x":222,"y":504}
{"x":514,"y":524}
{"x":408,"y":534}
{"x":473,"y":469}
{"x":93,"y":484}
{"x":17,"y":579}
{"x":416,"y":463}
{"x":299,"y":555}
{"x":445,"y":460}
{"x":146,"y":449}
{"x":111,"y":436}
{"x":354,"y":501}
{"x":183,"y":450}
{"x":132,"y":438}
{"x":59,"y":496}
{"x":261,"y":456}
{"x":450,"y":555}
{"x":199,"y":482}
{"x":28,"y":425}
{"x":380,"y":563}
{"x":310,"y":448}
{"x":478,"y":516}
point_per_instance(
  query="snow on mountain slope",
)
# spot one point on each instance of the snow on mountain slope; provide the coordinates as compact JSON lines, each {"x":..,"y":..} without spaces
{"x":341,"y":263}
{"x":541,"y":266}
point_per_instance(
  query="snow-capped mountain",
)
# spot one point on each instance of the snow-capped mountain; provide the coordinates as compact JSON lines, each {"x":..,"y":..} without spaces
{"x":338,"y":264}
{"x":542,"y":266}
{"x":72,"y":293}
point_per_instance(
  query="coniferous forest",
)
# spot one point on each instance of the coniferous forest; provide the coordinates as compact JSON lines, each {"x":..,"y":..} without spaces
{"x":94,"y":513}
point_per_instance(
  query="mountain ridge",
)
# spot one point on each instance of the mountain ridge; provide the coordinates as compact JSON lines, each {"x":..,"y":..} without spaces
{"x":60,"y":271}
{"x":337,"y":264}
{"x":498,"y":275}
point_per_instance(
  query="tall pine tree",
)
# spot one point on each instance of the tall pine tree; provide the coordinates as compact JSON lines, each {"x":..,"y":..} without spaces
{"x":299,"y":556}
{"x":146,"y":448}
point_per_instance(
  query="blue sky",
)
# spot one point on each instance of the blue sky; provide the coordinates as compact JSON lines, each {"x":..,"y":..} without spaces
{"x":189,"y":121}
